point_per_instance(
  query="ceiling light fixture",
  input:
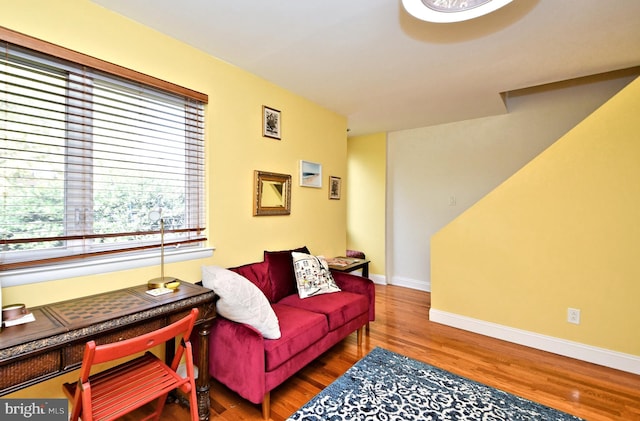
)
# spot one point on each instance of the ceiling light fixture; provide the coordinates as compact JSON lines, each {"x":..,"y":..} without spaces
{"x":445,"y":11}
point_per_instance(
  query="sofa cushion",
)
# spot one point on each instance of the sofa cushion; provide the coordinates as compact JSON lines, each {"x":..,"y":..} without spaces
{"x":258,"y":274}
{"x":300,"y":329}
{"x":339,"y":308}
{"x":313,"y":276}
{"x":241,"y":301}
{"x":281,"y":276}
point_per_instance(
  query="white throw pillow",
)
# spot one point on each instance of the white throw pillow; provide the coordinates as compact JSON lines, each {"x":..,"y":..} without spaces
{"x":313,"y":276}
{"x":241,"y":301}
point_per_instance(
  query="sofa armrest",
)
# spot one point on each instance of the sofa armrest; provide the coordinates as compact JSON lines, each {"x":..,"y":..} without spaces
{"x":357,"y":285}
{"x":229,"y":343}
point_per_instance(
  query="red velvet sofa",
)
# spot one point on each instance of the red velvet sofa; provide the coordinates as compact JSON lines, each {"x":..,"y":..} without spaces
{"x":251,"y":365}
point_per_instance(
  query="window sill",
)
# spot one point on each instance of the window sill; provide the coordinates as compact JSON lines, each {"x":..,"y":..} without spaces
{"x":92,"y":267}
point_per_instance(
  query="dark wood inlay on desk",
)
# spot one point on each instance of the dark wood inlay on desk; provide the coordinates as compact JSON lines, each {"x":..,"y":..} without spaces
{"x":53,"y":344}
{"x":99,"y":307}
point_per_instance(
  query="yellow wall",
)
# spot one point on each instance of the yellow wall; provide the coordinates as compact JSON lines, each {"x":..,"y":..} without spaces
{"x":562,"y":232}
{"x":366,"y":198}
{"x":234,"y":144}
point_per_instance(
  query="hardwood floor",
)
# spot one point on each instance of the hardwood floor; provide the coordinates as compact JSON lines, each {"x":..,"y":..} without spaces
{"x":402,"y":325}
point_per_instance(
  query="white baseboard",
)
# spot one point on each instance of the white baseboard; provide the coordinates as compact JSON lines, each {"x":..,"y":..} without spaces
{"x":612,"y":359}
{"x":378,"y":279}
{"x":411,"y":283}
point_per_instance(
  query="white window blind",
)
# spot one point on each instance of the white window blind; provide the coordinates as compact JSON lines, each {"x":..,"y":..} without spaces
{"x":92,"y":162}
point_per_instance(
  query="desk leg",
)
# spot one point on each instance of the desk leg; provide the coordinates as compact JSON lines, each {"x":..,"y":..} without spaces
{"x":365,"y":270}
{"x":202,"y":383}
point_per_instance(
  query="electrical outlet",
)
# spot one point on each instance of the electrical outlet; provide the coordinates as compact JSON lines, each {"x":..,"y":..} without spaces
{"x":573,"y":315}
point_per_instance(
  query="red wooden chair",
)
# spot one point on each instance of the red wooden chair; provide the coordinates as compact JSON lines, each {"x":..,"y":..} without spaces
{"x":110,"y":394}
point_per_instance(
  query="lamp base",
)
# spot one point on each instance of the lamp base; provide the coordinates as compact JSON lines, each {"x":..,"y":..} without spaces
{"x":161,"y":282}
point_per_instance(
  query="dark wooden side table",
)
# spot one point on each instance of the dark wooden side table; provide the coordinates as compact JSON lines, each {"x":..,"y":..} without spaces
{"x":54,"y":343}
{"x":349,"y":264}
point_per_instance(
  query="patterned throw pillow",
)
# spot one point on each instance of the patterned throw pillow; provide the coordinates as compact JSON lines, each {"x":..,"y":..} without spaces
{"x":313,"y":276}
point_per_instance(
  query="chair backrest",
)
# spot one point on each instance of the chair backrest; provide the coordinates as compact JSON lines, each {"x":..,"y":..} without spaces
{"x":96,"y":354}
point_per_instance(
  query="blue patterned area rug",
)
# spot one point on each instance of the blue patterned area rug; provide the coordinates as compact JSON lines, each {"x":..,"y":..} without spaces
{"x":388,"y":386}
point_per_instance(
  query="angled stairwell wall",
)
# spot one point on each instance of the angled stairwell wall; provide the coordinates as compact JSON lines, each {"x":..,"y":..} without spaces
{"x":562,"y":232}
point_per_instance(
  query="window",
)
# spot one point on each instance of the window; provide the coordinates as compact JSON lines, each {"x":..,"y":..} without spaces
{"x":93,"y":163}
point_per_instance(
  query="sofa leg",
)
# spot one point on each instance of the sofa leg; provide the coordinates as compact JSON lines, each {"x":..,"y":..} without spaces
{"x":266,"y":406}
{"x":359,"y":336}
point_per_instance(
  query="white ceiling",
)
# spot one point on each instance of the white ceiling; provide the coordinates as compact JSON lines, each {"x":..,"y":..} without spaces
{"x":386,"y":70}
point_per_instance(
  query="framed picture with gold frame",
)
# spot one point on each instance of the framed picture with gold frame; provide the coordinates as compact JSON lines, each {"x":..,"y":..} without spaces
{"x":272,"y":193}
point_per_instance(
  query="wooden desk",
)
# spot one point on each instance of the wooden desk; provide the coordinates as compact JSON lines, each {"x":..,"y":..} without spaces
{"x":349,"y":264}
{"x":54,"y":343}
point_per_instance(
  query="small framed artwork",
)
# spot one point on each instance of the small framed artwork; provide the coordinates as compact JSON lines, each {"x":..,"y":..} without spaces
{"x":271,"y":122}
{"x":335,"y":184}
{"x":310,"y":174}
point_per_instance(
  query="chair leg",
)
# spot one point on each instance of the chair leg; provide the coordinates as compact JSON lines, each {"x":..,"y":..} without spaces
{"x":359,"y":336}
{"x":266,"y":406}
{"x":159,"y":407}
{"x":194,"y":408}
{"x":77,"y":407}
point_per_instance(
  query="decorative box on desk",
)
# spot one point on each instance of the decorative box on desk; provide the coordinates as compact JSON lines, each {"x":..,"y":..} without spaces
{"x":54,"y":343}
